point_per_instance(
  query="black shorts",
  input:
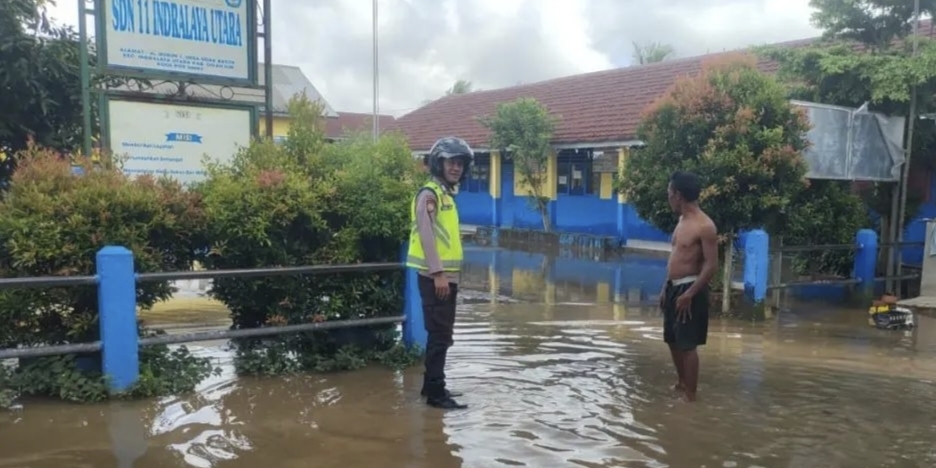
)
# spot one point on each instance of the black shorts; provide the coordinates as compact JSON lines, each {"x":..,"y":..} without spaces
{"x":694,"y":332}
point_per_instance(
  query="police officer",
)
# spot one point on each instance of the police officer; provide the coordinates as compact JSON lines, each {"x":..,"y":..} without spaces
{"x":435,"y":251}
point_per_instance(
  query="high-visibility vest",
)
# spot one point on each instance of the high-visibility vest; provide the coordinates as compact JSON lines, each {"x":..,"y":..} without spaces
{"x":446,"y":228}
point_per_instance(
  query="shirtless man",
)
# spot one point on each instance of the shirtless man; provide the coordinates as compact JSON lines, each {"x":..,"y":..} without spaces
{"x":692,"y":264}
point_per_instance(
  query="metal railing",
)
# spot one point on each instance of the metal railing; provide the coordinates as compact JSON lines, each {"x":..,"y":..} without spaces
{"x":766,"y":276}
{"x":781,"y":272}
{"x":895,"y":277}
{"x":862,"y":274}
{"x":116,"y":283}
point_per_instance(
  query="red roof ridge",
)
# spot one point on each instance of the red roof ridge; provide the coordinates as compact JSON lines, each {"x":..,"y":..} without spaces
{"x":602,"y":106}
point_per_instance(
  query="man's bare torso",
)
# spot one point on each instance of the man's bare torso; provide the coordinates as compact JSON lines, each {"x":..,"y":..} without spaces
{"x":686,"y":257}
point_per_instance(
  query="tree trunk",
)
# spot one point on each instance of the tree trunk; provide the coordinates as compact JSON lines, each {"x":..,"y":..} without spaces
{"x":544,"y":213}
{"x":727,"y":274}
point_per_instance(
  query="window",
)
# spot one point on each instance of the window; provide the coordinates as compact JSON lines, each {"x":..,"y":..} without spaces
{"x":575,"y":175}
{"x":479,"y":177}
{"x":596,"y":182}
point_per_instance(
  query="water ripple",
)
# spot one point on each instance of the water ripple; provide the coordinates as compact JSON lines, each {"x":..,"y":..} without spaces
{"x":542,"y":392}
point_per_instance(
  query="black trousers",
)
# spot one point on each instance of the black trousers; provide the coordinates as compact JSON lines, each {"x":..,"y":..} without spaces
{"x":439,"y":317}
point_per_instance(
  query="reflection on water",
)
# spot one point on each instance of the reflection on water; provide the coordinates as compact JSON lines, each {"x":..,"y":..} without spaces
{"x":575,"y":376}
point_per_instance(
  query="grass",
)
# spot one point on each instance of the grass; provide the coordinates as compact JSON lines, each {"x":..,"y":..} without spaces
{"x":186,"y":311}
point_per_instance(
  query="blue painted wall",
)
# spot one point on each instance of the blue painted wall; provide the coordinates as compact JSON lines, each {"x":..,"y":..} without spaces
{"x":585,"y":213}
{"x":516,"y":212}
{"x":474,"y":208}
{"x":916,"y":229}
{"x":637,"y":228}
{"x":474,"y":200}
{"x":589,"y":214}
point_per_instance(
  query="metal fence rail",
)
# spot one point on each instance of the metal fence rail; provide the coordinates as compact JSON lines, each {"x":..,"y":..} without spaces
{"x":894,"y":278}
{"x":267,"y":331}
{"x":117,"y":281}
{"x":815,"y":248}
{"x":779,"y":269}
{"x":863,"y":274}
{"x":263,"y":272}
{"x":212,"y":335}
{"x":37,"y":282}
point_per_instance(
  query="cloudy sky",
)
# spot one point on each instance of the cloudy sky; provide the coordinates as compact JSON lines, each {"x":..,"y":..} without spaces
{"x":426,"y":45}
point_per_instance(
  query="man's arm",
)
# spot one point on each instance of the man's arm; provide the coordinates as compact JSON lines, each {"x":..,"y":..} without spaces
{"x":709,"y":238}
{"x":426,"y":205}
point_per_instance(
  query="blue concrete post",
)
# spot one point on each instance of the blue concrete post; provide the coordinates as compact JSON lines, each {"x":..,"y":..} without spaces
{"x":621,"y":216}
{"x":756,"y":265}
{"x":414,"y":330}
{"x":866,"y":259}
{"x":619,"y":294}
{"x":117,"y":317}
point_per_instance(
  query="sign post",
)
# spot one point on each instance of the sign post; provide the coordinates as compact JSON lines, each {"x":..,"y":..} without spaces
{"x":167,"y":48}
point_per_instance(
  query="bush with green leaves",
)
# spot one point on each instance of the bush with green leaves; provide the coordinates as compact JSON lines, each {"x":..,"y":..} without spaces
{"x":310,"y":203}
{"x":828,"y":212}
{"x":734,"y":127}
{"x":52,"y":223}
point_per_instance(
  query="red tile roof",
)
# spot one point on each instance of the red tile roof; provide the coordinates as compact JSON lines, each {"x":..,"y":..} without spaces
{"x":350,"y":122}
{"x":598,"y":107}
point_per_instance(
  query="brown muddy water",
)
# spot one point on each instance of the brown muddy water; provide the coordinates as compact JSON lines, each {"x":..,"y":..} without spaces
{"x":563,"y":381}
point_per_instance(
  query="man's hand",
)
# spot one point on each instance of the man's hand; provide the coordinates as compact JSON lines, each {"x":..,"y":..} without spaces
{"x":684,"y":307}
{"x":441,"y":285}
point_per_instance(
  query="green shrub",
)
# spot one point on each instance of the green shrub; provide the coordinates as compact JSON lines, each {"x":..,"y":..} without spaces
{"x":828,"y":212}
{"x":310,"y":203}
{"x":52,"y":223}
{"x":735,"y":128}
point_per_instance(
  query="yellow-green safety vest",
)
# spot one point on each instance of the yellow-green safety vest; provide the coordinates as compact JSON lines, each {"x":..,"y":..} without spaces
{"x":446,"y":228}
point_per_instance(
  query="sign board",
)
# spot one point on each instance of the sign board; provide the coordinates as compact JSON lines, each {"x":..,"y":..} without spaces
{"x":846,"y":144}
{"x":209,"y":41}
{"x":172,"y":139}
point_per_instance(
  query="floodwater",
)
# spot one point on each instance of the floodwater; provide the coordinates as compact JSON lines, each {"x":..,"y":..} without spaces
{"x":574,"y":375}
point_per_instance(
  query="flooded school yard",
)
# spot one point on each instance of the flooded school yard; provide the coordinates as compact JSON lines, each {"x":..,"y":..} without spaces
{"x":570,"y":371}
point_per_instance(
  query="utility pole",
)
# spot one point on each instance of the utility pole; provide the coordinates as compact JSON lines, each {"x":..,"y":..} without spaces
{"x":376,"y":122}
{"x":912,"y":118}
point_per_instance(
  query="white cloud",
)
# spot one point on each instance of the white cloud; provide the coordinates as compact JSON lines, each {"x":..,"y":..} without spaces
{"x":425,"y":45}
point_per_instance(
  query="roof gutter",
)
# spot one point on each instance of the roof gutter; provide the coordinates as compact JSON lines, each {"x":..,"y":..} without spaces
{"x":599,"y":144}
{"x":564,"y":146}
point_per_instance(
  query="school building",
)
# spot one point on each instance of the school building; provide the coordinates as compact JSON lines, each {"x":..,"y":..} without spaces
{"x":290,"y":81}
{"x":598,"y":117}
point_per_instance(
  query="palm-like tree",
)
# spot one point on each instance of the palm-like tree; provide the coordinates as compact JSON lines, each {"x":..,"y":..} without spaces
{"x":460,"y":87}
{"x":652,"y":53}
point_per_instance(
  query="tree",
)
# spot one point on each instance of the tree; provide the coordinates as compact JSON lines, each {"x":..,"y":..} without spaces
{"x":873,"y":23}
{"x":40,"y":82}
{"x":652,"y":52}
{"x":865,"y":57}
{"x":522,"y":130}
{"x":460,"y":87}
{"x":735,"y":128}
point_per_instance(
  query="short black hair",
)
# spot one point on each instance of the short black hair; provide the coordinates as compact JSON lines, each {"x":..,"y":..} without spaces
{"x":686,"y":184}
